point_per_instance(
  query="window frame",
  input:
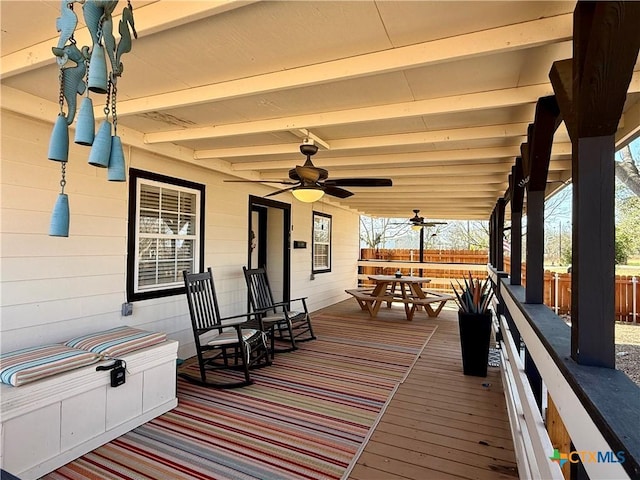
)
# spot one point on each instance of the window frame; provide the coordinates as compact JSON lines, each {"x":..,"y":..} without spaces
{"x":313,"y":242}
{"x":138,"y":177}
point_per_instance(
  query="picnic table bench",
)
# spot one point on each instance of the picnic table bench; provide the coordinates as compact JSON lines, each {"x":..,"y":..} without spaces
{"x":432,"y":302}
{"x":368,"y":301}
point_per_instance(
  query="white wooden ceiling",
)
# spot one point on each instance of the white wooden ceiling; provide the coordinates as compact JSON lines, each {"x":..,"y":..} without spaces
{"x":436,"y":96}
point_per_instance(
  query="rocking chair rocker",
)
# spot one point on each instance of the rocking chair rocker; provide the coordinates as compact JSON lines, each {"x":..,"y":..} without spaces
{"x":235,"y":347}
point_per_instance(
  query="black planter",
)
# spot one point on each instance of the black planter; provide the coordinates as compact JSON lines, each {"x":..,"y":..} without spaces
{"x":475,"y":336}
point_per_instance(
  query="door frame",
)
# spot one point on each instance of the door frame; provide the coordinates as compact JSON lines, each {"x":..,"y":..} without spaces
{"x":260,"y":202}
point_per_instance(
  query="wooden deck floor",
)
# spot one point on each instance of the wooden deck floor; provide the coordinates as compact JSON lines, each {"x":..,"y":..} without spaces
{"x":440,"y":424}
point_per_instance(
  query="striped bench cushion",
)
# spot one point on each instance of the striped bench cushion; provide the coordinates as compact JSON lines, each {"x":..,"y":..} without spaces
{"x":33,"y":363}
{"x":117,"y":341}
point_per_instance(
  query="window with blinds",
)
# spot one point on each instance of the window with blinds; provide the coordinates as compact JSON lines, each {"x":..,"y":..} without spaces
{"x":321,"y":244}
{"x":167,"y":235}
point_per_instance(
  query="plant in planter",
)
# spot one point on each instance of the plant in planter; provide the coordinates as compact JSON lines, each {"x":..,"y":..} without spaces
{"x":474,"y":322}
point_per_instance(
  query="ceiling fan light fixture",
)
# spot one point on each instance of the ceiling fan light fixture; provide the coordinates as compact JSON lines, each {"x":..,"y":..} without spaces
{"x":308,"y":194}
{"x":416,"y":227}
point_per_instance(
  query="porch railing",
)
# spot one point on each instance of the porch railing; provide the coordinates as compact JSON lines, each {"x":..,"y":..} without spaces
{"x":441,"y":274}
{"x":445,"y":266}
{"x":595,"y":429}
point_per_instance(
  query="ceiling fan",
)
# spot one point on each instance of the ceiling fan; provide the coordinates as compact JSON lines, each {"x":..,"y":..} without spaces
{"x":417,"y":221}
{"x":309,"y":183}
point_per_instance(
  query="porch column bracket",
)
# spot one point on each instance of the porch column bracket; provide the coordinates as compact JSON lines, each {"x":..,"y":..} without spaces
{"x":561,"y":76}
{"x":524,"y":154}
{"x":517,"y":188}
{"x":547,"y":120}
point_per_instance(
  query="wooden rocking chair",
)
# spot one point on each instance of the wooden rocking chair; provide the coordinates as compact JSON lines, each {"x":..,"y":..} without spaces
{"x":234,"y":347}
{"x":276,"y":318}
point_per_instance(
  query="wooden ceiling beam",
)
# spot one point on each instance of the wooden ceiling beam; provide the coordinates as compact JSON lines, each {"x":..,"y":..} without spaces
{"x":508,"y":97}
{"x":304,"y":134}
{"x":427,"y":181}
{"x":470,"y":212}
{"x":499,"y":170}
{"x":409,"y":203}
{"x":392,"y":194}
{"x":440,"y":189}
{"x":530,"y":34}
{"x":510,"y":130}
{"x":150,"y":19}
{"x":466,"y":156}
{"x":628,"y":131}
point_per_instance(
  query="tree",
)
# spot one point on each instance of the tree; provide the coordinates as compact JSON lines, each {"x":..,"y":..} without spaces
{"x":376,"y":232}
{"x":627,"y":171}
{"x":627,"y":228}
{"x":466,"y":235}
{"x":627,"y":204}
{"x":557,"y":227}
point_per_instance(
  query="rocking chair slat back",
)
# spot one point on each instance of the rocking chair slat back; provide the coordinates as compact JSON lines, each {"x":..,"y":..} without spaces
{"x":202,"y":300}
{"x":260,"y":291}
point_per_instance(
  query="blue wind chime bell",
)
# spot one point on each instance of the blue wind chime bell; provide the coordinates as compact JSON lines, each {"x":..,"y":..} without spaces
{"x":106,"y":146}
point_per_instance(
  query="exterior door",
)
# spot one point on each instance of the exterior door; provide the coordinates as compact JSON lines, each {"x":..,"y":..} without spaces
{"x":269,"y":247}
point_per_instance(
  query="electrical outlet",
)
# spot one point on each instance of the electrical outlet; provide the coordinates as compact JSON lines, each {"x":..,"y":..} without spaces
{"x":127,"y":309}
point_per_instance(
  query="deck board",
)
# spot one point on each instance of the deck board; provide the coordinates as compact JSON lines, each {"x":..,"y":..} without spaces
{"x":441,"y":424}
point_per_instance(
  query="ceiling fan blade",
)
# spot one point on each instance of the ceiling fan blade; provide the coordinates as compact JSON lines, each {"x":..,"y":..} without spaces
{"x":430,"y":224}
{"x":262,"y":181}
{"x":277,"y":192}
{"x":359,"y":182}
{"x":337,"y":192}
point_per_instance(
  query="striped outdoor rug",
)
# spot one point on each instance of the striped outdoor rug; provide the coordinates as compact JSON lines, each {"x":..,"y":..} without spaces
{"x":305,"y":417}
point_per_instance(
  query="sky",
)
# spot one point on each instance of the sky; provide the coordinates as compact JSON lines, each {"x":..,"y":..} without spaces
{"x":563,"y":211}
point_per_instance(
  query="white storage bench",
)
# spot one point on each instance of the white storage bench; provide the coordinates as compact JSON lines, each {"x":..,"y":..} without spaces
{"x":54,"y":420}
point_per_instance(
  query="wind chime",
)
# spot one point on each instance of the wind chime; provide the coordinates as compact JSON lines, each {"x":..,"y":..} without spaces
{"x":106,"y":148}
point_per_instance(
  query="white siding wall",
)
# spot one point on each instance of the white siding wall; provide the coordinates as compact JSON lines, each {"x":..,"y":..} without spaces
{"x":55,"y":288}
{"x":327,"y":288}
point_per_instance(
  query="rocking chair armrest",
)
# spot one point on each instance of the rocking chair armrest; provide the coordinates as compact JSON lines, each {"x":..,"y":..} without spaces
{"x":275,"y":305}
{"x":234,"y":323}
{"x":238,"y":322}
{"x":286,"y":304}
{"x":301,"y":299}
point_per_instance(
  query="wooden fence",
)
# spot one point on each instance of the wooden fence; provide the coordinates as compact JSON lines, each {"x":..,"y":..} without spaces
{"x":446,"y":266}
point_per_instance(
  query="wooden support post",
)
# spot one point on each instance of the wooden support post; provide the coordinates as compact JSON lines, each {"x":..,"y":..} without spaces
{"x":593,"y":262}
{"x":534,"y":293}
{"x":591,"y":89}
{"x":517,"y":200}
{"x":499,"y":234}
{"x":536,"y":160}
{"x":492,"y":238}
